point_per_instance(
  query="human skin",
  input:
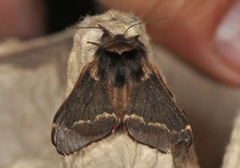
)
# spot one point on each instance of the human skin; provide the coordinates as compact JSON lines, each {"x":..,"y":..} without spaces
{"x":21,"y":18}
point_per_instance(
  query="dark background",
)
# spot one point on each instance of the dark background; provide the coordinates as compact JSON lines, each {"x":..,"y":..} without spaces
{"x":64,"y":13}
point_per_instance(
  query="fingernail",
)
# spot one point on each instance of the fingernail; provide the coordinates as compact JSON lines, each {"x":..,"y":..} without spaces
{"x":228,"y":38}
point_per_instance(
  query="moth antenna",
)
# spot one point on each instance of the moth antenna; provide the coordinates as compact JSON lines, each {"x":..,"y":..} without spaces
{"x":94,"y":27}
{"x":93,"y":43}
{"x":89,"y":27}
{"x":104,"y":29}
{"x":144,"y":22}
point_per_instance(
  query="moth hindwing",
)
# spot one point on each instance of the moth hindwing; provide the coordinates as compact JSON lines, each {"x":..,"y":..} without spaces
{"x":120,"y":87}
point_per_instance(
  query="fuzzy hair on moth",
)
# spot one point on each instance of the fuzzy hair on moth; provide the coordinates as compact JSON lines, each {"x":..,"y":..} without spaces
{"x":119,"y":91}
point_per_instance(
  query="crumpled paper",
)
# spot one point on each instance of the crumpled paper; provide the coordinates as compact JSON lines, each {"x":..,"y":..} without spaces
{"x":232,"y":155}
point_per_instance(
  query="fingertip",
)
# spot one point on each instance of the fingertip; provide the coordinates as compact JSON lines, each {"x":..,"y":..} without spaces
{"x":227,"y":38}
{"x":22,"y":19}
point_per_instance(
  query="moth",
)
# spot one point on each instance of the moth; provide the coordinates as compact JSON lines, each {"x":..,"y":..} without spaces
{"x":120,"y":91}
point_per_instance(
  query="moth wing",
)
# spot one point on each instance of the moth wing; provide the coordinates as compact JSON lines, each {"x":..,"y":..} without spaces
{"x":84,"y":117}
{"x":154,"y":119}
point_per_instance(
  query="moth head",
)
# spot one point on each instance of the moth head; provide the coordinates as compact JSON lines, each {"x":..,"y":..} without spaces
{"x":116,"y":43}
{"x":119,"y":43}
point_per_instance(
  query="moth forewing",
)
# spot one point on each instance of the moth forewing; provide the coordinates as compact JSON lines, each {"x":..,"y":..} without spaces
{"x":85,"y":116}
{"x":153,"y":117}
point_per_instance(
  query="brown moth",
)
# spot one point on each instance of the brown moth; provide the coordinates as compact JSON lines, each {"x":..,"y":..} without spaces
{"x":121,"y":91}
